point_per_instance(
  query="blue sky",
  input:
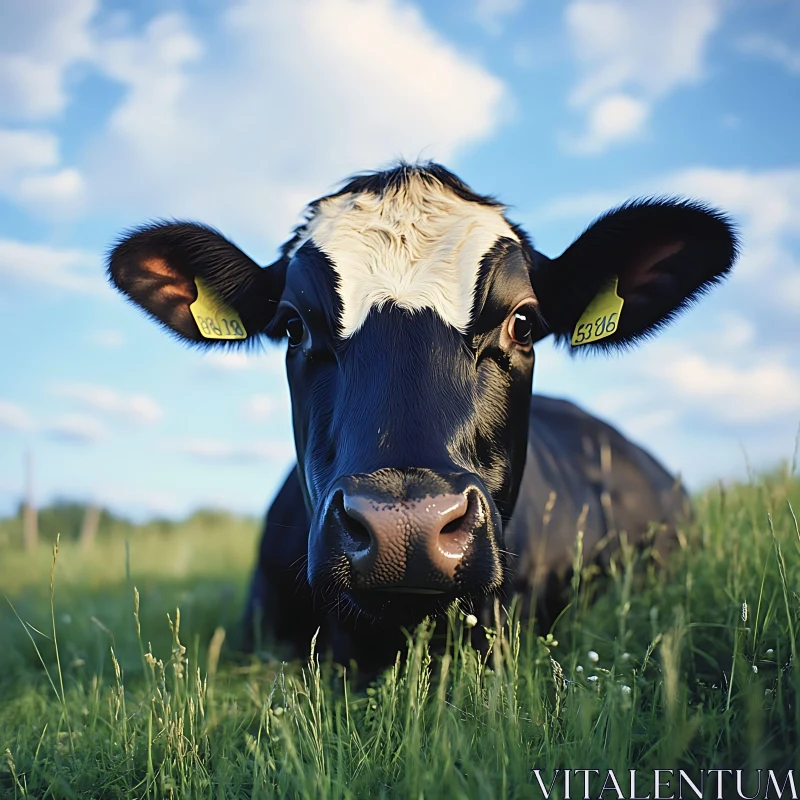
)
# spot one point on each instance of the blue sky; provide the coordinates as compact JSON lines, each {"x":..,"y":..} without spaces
{"x":237,"y":113}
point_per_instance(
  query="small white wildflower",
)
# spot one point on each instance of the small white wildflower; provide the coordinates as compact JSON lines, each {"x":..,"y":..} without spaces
{"x":470,"y":620}
{"x":625,"y":689}
{"x":625,"y":657}
{"x":579,"y":668}
{"x":755,"y":668}
{"x":593,"y":657}
{"x":592,"y":678}
{"x":770,"y":651}
{"x":744,"y":612}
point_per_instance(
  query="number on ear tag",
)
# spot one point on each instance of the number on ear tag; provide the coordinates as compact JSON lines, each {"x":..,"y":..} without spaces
{"x":215,"y":320}
{"x":600,"y":318}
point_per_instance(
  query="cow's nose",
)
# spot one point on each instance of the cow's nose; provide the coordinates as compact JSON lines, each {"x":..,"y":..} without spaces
{"x":408,"y":545}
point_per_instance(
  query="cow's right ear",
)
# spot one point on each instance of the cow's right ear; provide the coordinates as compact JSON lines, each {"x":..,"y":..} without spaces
{"x":157,"y":267}
{"x":655,"y":256}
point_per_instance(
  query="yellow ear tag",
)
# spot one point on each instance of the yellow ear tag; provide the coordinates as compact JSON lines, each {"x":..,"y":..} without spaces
{"x":215,"y":320}
{"x":600,"y":318}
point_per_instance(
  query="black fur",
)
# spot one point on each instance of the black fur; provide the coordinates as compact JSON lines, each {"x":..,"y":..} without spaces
{"x":610,"y":247}
{"x":408,"y":406}
{"x":194,"y":250}
{"x":622,"y":492}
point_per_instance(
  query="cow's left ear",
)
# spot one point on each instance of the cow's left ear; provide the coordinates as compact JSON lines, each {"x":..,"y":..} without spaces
{"x":195,"y":282}
{"x":663,"y":253}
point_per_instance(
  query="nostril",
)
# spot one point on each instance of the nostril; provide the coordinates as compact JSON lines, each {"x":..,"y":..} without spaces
{"x":358,"y":533}
{"x":453,"y":526}
{"x":455,"y":536}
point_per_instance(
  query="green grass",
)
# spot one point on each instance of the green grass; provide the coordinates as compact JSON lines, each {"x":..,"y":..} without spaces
{"x":103,"y":695}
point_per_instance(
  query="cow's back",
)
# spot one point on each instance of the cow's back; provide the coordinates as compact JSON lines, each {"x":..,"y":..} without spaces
{"x":581,"y":472}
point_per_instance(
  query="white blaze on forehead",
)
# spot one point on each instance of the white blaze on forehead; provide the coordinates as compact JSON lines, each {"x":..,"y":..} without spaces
{"x":419,"y":246}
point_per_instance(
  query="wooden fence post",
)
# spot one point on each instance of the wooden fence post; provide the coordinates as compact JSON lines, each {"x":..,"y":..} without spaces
{"x":91,"y":521}
{"x":30,"y":519}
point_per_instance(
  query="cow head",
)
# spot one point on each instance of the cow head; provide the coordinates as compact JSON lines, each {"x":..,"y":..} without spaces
{"x":410,"y":306}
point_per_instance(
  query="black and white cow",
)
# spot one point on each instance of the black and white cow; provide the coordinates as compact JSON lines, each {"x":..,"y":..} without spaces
{"x":426,"y":470}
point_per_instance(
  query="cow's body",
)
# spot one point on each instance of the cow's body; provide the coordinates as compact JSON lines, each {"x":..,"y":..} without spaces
{"x":426,"y":472}
{"x":579,"y":471}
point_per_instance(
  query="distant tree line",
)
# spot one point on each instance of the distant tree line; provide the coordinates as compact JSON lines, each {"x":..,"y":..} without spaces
{"x":75,"y":521}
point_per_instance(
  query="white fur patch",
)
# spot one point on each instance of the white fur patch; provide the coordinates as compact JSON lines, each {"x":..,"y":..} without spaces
{"x":419,"y":246}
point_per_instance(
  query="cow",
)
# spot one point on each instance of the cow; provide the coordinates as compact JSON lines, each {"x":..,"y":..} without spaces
{"x":427,"y":472}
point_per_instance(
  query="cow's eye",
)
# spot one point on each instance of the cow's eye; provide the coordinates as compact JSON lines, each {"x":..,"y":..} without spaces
{"x":295,"y":331}
{"x":521,"y":328}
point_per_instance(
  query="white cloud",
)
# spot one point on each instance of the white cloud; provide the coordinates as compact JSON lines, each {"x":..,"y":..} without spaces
{"x":44,"y":265}
{"x":772,"y":49}
{"x":615,"y":118}
{"x":30,"y":170}
{"x":769,"y":198}
{"x":22,"y":150}
{"x":735,"y":330}
{"x":142,"y":408}
{"x":106,"y":338}
{"x":228,"y":360}
{"x":259,"y":408}
{"x":580,"y":207}
{"x":730,"y":391}
{"x":59,"y":190}
{"x":731,"y":121}
{"x":491,"y":14}
{"x":39,"y":41}
{"x":691,"y":399}
{"x":765,"y":205}
{"x":287,"y":102}
{"x":77,"y":429}
{"x":614,"y":401}
{"x":14,"y":417}
{"x":137,"y":502}
{"x":641,"y":426}
{"x":630,"y":55}
{"x":219,"y":450}
{"x":726,"y":377}
{"x":270,"y":360}
{"x":139,"y":408}
{"x":266,"y":407}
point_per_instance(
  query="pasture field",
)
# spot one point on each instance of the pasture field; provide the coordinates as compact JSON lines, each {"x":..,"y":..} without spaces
{"x":108,"y":691}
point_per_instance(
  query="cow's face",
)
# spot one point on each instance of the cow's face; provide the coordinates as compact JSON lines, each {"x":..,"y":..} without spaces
{"x":411,"y":306}
{"x":410,"y":319}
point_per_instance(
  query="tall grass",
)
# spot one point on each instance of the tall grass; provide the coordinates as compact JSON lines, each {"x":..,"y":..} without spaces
{"x":689,"y":667}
